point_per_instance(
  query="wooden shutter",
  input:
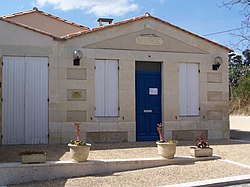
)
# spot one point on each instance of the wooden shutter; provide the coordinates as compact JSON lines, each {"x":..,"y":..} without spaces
{"x":183,"y":89}
{"x":188,"y":89}
{"x":13,"y":90}
{"x":25,"y":100}
{"x":100,"y":88}
{"x":36,"y":100}
{"x":193,"y":95}
{"x":111,"y":88}
{"x":106,"y":88}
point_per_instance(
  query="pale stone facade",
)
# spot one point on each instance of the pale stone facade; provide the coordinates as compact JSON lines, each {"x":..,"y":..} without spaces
{"x":71,"y":88}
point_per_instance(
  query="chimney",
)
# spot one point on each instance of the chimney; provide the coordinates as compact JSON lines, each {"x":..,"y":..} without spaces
{"x":104,"y":20}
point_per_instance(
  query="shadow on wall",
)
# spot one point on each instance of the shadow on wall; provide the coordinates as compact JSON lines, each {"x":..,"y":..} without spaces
{"x":240,"y":135}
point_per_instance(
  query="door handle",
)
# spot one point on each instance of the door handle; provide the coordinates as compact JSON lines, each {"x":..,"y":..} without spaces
{"x":147,"y":111}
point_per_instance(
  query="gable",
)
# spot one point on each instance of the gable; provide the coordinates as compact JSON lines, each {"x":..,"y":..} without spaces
{"x":146,"y":39}
{"x":137,"y":34}
{"x":94,"y":37}
{"x":46,"y":23}
{"x":14,"y":35}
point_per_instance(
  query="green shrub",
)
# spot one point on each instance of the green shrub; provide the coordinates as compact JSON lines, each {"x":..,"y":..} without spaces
{"x":240,"y":101}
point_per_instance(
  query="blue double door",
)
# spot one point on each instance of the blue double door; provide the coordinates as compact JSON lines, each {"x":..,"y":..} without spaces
{"x":148,"y":100}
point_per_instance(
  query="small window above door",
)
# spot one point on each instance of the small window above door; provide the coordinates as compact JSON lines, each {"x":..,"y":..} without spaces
{"x":148,"y":66}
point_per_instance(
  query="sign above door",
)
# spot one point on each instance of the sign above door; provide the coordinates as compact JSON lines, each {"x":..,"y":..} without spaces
{"x":149,"y":40}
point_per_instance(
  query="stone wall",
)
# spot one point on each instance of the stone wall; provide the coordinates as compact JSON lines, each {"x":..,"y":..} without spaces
{"x":213,"y":96}
{"x":72,"y":88}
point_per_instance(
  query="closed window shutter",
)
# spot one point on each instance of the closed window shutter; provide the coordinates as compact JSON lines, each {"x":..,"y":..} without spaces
{"x":193,"y":96}
{"x":183,"y":89}
{"x":106,"y":88}
{"x":111,"y":88}
{"x":188,"y":89}
{"x":100,"y":88}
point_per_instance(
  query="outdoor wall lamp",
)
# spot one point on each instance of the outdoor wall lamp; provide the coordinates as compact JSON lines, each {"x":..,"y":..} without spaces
{"x":217,"y":62}
{"x":77,"y":55}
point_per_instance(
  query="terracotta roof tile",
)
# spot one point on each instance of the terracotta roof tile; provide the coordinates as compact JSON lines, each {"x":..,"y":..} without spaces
{"x":18,"y":14}
{"x":114,"y":24}
{"x":35,"y":10}
{"x":27,"y":27}
{"x":86,"y":30}
{"x":196,"y":35}
{"x":72,"y":35}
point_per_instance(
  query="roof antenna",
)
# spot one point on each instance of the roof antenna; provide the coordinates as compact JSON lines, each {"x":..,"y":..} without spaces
{"x":35,"y":8}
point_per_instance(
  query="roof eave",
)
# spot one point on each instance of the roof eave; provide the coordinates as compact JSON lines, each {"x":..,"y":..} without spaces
{"x":196,"y":35}
{"x":73,"y":35}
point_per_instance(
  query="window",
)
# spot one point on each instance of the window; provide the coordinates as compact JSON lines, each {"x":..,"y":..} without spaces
{"x":106,"y":88}
{"x":188,"y":89}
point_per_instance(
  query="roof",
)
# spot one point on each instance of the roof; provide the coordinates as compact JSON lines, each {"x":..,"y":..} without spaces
{"x":145,"y":16}
{"x":85,"y":30}
{"x":114,"y":24}
{"x":45,"y":14}
{"x":42,"y":22}
{"x":27,"y":27}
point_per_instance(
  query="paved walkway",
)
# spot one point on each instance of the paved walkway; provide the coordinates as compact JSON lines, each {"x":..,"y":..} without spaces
{"x":234,"y":162}
{"x":233,"y":165}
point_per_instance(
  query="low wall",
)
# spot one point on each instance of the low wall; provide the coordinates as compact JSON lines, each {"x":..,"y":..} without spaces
{"x":18,"y":173}
{"x":241,"y":123}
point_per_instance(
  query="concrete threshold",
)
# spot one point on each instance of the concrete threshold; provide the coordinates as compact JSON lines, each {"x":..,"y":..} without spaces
{"x":18,"y":173}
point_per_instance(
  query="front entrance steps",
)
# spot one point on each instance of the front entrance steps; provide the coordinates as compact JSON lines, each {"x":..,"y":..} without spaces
{"x":18,"y":173}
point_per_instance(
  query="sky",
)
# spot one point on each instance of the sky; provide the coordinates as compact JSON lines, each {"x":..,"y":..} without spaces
{"x":198,"y":16}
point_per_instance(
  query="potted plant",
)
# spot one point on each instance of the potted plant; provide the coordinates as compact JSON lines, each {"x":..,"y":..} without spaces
{"x":166,"y":148}
{"x":31,"y":157}
{"x":201,"y":148}
{"x":79,"y":150}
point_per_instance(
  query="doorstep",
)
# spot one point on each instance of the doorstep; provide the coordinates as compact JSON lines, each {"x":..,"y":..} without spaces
{"x":18,"y":173}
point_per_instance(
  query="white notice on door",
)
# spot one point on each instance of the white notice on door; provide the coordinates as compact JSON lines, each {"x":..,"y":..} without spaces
{"x":153,"y":91}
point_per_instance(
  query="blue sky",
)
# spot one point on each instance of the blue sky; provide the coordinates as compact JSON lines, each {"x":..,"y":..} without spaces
{"x":198,"y":16}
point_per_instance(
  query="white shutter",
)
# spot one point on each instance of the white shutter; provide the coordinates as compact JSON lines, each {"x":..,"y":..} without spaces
{"x":25,"y":105}
{"x":106,"y":88}
{"x":188,"y":89}
{"x":36,"y":100}
{"x":183,"y":89}
{"x":193,"y":83}
{"x":13,"y":100}
{"x":100,"y":88}
{"x":111,"y":88}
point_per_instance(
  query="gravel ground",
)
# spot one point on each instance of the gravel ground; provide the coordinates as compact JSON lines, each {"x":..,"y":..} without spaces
{"x":228,"y":150}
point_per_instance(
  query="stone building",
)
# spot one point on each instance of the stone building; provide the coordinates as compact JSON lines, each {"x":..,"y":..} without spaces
{"x":118,"y":80}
